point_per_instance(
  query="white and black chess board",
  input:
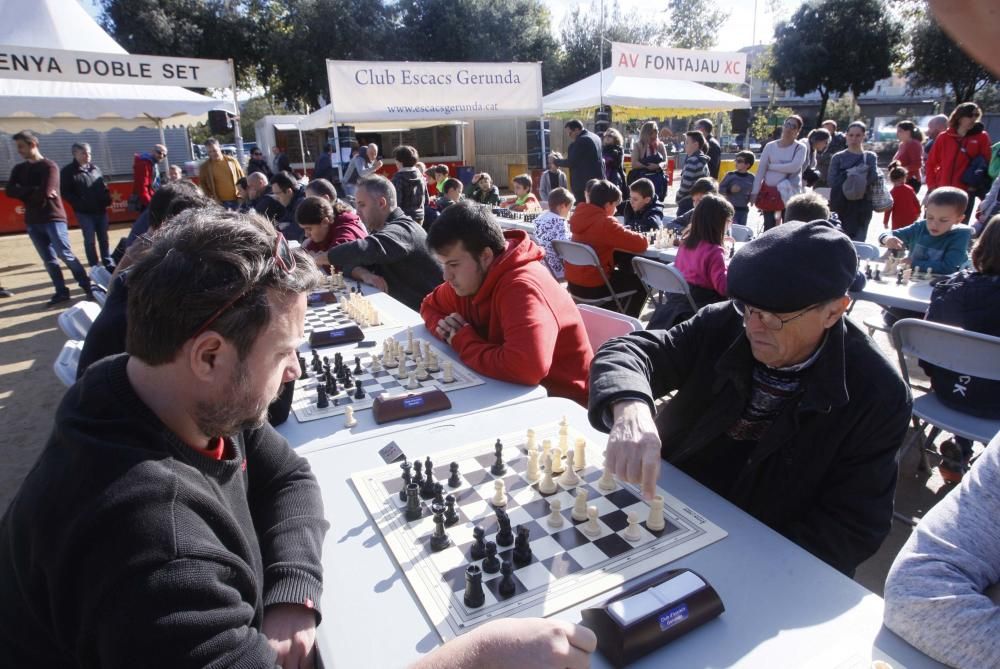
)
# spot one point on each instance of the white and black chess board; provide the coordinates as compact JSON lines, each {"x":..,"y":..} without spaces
{"x":520,"y":216}
{"x":373,"y":383}
{"x":567,"y":566}
{"x":332,"y":317}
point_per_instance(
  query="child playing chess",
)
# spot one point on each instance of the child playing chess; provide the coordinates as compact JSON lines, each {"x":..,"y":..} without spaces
{"x":483,"y":191}
{"x":552,"y":178}
{"x":737,"y":185}
{"x":643,"y":211}
{"x":451,"y":192}
{"x":701,"y":188}
{"x":327,"y":225}
{"x":905,"y":207}
{"x":552,"y":225}
{"x":524,"y":199}
{"x":702,"y":260}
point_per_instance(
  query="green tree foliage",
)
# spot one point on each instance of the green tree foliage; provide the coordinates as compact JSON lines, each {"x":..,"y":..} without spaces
{"x":835,"y":46}
{"x":937,"y":62}
{"x":693,"y":24}
{"x":766,"y":121}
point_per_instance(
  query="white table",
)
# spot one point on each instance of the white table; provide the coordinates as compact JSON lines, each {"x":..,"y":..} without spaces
{"x":915,"y":295}
{"x":784,"y":608}
{"x":401,"y":315}
{"x":669,"y":255}
{"x":511,"y":224}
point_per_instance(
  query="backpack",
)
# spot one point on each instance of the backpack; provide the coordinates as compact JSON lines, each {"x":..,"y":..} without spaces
{"x":856,"y":183}
{"x":994,"y":168}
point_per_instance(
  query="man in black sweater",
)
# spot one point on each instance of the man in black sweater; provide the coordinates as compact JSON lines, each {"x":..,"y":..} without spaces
{"x":166,"y":524}
{"x":394,"y":256}
{"x":583,"y":158}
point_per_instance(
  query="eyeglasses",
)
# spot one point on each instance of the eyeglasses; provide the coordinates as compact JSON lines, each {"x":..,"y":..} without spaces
{"x":791,"y":124}
{"x":283,"y":258}
{"x":771,"y":321}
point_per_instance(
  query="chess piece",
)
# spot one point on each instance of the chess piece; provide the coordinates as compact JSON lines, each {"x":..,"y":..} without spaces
{"x":376,"y":365}
{"x":868,"y":270}
{"x":591,"y":528}
{"x":302,"y":368}
{"x":474,"y":595}
{"x":499,"y":494}
{"x":655,"y":520}
{"x":359,"y":390}
{"x":439,"y":493}
{"x":439,"y":539}
{"x":478,"y":550}
{"x":580,"y":453}
{"x":491,"y":563}
{"x":454,"y":480}
{"x":546,"y":452}
{"x":899,"y":278}
{"x":522,"y":547}
{"x":412,"y":383}
{"x":607,"y":482}
{"x":548,"y":484}
{"x":449,"y":372}
{"x":555,"y":514}
{"x":878,"y":274}
{"x":357,"y":365}
{"x":569,"y":477}
{"x":557,"y":461}
{"x":413,"y":509}
{"x":349,"y":419}
{"x":929,"y":274}
{"x":407,"y":478}
{"x":432,"y":362}
{"x":532,"y":472}
{"x":580,"y":506}
{"x":506,"y":586}
{"x":450,"y":515}
{"x":530,"y":440}
{"x":632,"y":532}
{"x":504,"y":536}
{"x":322,"y":401}
{"x":418,"y":472}
{"x":409,"y":340}
{"x":421,"y":371}
{"x":427,"y":487}
{"x":403,"y":371}
{"x":498,"y":468}
{"x":907,"y":275}
{"x":317,"y":364}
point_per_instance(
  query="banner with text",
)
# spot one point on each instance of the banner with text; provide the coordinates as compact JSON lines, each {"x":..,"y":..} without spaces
{"x":18,"y":62}
{"x":401,"y":91}
{"x":636,"y":60}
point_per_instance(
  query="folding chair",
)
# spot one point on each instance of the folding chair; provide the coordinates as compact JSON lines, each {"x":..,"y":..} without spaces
{"x":602,"y":324}
{"x":740,"y":233}
{"x":100,"y":276}
{"x":67,"y":361}
{"x":75,"y":322}
{"x":576,"y":253}
{"x":959,"y":351}
{"x":662,"y":278}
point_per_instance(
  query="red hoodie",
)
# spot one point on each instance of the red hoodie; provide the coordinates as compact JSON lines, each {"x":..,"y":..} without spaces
{"x":905,"y":207}
{"x":592,"y":226}
{"x":346,"y":227}
{"x":950,"y":155}
{"x":525,"y":327}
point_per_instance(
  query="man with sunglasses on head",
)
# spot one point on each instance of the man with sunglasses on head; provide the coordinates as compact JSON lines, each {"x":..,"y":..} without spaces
{"x":783,"y":406}
{"x":146,"y":175}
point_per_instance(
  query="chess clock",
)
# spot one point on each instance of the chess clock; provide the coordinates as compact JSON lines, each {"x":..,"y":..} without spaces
{"x":387,"y":408}
{"x":345,"y":335}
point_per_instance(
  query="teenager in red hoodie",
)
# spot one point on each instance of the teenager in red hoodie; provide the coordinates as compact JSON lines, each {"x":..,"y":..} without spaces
{"x":500,"y":308}
{"x":593,"y":223}
{"x":327,"y":225}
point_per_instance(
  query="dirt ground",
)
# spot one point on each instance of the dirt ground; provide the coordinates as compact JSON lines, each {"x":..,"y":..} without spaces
{"x":30,"y":341}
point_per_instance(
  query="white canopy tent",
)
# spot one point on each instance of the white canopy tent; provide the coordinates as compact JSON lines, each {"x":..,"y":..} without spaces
{"x":656,"y":97}
{"x":47,"y":106}
{"x":324,"y":118}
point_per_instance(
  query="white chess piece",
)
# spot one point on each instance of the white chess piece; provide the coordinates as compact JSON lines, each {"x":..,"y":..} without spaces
{"x":546,"y":450}
{"x":928,"y":274}
{"x":432,"y":362}
{"x":349,"y":419}
{"x":557,"y":460}
{"x":376,"y":319}
{"x":530,"y":441}
{"x":449,"y":374}
{"x":607,"y":482}
{"x":580,"y":505}
{"x":402,"y":373}
{"x":548,"y":484}
{"x":532,"y":464}
{"x":580,"y":453}
{"x":555,"y":517}
{"x":591,"y":528}
{"x":376,"y":365}
{"x":421,"y":371}
{"x":569,"y":477}
{"x":500,"y":493}
{"x":409,"y":340}
{"x":632,"y":532}
{"x":655,"y":521}
{"x":412,"y":383}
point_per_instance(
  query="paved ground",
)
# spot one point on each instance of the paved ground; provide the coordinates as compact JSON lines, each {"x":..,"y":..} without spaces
{"x":30,"y":340}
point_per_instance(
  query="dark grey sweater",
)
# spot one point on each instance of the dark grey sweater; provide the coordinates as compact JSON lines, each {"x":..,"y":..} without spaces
{"x":125,"y":547}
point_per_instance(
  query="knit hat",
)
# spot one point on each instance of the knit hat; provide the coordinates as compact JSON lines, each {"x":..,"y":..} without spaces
{"x":793,"y":266}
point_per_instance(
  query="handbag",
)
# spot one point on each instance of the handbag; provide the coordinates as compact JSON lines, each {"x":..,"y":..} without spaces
{"x":976,"y":175}
{"x":880,"y":195}
{"x":787,"y":190}
{"x":769,"y":199}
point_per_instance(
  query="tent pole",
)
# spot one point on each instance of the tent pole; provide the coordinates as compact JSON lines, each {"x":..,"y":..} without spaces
{"x":600,"y":64}
{"x":541,"y":133}
{"x":302,"y":148}
{"x":159,"y":125}
{"x":237,"y":131}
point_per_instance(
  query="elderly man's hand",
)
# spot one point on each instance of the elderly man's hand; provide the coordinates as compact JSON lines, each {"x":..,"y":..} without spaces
{"x":633,"y":453}
{"x":291,"y":631}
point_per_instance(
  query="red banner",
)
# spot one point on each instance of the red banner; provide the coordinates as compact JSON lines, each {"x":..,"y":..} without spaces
{"x":12,"y":211}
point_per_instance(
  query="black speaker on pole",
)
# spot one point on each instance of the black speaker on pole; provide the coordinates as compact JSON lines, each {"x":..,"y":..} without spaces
{"x":602,"y":119}
{"x":219,"y":121}
{"x":536,"y":156}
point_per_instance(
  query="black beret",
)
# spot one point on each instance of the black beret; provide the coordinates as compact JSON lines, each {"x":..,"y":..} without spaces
{"x":793,"y":266}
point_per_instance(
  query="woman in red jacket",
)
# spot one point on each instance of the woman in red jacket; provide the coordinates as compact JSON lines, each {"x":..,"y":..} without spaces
{"x":593,"y":223}
{"x":956,"y":148}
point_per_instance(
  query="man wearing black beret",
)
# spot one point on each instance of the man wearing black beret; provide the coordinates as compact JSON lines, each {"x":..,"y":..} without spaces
{"x":783,"y":406}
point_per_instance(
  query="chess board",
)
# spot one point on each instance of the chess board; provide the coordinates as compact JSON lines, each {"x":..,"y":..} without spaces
{"x":520,"y":216}
{"x":567,"y":566}
{"x":374,"y":383}
{"x":321,"y":317}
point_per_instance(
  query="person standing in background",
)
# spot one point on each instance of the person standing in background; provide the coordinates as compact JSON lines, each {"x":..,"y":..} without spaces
{"x":910,"y":153}
{"x":258,"y":164}
{"x":219,"y":175}
{"x":82,"y":185}
{"x":280,"y":162}
{"x":714,"y":148}
{"x":146,"y":176}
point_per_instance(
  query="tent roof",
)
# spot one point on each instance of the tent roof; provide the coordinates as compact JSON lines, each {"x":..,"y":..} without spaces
{"x":46,"y":106}
{"x":323,"y":118}
{"x":655,"y":97}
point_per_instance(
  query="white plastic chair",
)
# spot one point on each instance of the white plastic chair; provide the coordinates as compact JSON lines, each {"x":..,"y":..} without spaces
{"x":75,"y":322}
{"x":660,"y":277}
{"x":867,"y":251}
{"x":602,"y":324}
{"x":101,"y":277}
{"x":959,"y":351}
{"x":740,"y":233}
{"x":67,"y":361}
{"x":583,"y":255}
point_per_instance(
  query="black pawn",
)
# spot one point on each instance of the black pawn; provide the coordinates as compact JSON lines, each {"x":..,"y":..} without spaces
{"x":491,"y":563}
{"x":438,"y":494}
{"x":418,"y":472}
{"x":439,"y":539}
{"x":454,"y":480}
{"x":478,"y":550}
{"x":474,"y":595}
{"x":498,"y":468}
{"x":321,"y":400}
{"x":413,"y":510}
{"x":450,"y":516}
{"x":878,"y":274}
{"x":317,"y":364}
{"x":522,"y":549}
{"x":359,"y":392}
{"x":302,"y":368}
{"x":506,"y":586}
{"x":504,"y":535}
{"x":899,"y":278}
{"x":405,"y":466}
{"x":868,"y":270}
{"x":357,"y":365}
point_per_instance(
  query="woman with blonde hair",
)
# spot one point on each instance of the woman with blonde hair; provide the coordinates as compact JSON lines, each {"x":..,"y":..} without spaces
{"x":649,"y":156}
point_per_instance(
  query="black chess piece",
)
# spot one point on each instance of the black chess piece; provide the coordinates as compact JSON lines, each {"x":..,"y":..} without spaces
{"x":899,"y":278}
{"x":407,"y":478}
{"x":338,"y":363}
{"x":478,"y":550}
{"x":317,"y":364}
{"x":491,"y":563}
{"x":498,"y":468}
{"x":438,"y":493}
{"x":878,"y":274}
{"x":474,"y":595}
{"x":439,"y":539}
{"x":454,"y":480}
{"x":522,"y":549}
{"x":506,"y":586}
{"x":427,"y":487}
{"x":868,"y":270}
{"x":418,"y":472}
{"x":504,"y":535}
{"x":450,"y":515}
{"x":322,"y":401}
{"x":413,"y":510}
{"x":359,"y":390}
{"x":357,"y":365}
{"x":302,"y":368}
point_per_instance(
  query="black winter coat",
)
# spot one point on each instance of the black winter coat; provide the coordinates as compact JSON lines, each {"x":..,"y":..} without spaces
{"x":85,"y":190}
{"x":824,"y":474}
{"x":585,"y":161}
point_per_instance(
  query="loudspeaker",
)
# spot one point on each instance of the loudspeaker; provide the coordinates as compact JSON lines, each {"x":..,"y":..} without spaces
{"x":219,"y":121}
{"x":602,"y":119}
{"x":536,"y":157}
